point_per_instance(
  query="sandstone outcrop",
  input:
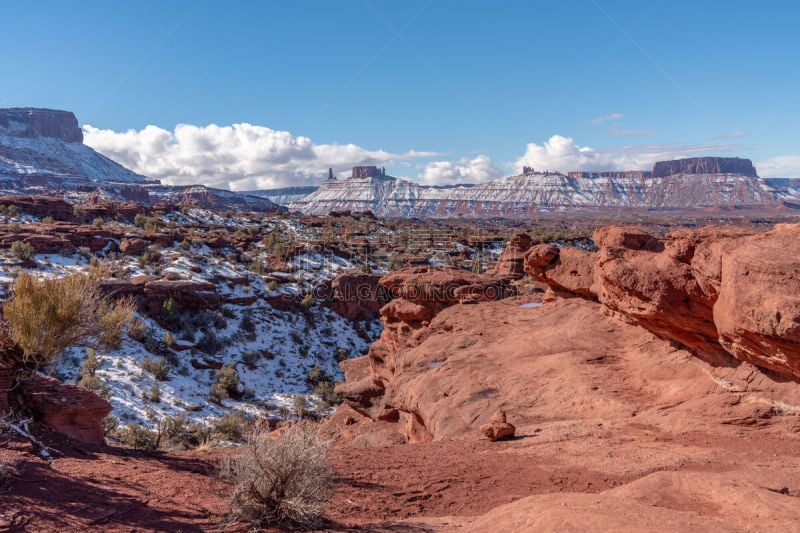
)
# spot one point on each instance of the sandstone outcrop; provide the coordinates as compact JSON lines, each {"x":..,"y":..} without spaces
{"x":33,"y":122}
{"x":70,"y":410}
{"x":511,"y":263}
{"x":189,"y":295}
{"x":704,"y":165}
{"x":724,"y":293}
{"x":420,"y":294}
{"x":357,"y":295}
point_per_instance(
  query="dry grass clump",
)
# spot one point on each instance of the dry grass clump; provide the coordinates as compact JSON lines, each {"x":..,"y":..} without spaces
{"x":47,"y":315}
{"x":287,"y":479}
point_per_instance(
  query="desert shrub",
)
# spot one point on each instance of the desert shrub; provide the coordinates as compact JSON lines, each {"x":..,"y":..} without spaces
{"x":284,"y":480}
{"x":98,"y":222}
{"x":186,"y":244}
{"x":46,"y":316}
{"x":169,"y":339}
{"x":48,"y":220}
{"x":300,"y":406}
{"x":137,"y":437}
{"x":220,"y":321}
{"x":96,"y":385}
{"x":247,"y":325}
{"x":158,"y":367}
{"x":230,"y":427}
{"x":154,"y":395}
{"x":151,"y":224}
{"x":14,"y":227}
{"x":257,"y":266}
{"x":110,"y":425}
{"x":251,"y":358}
{"x":308,"y":301}
{"x":209,"y":343}
{"x":171,"y":429}
{"x":341,"y":354}
{"x":324,"y":390}
{"x":317,"y":375}
{"x":90,"y":364}
{"x":226,"y":383}
{"x":22,"y":250}
{"x":112,"y":318}
{"x":170,"y":311}
{"x":197,"y":434}
{"x":272,"y":285}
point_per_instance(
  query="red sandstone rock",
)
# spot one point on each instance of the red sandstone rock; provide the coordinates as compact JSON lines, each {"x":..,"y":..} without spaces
{"x":511,"y":263}
{"x":757,"y":313}
{"x":497,"y":428}
{"x":357,"y":295}
{"x":133,"y":246}
{"x":73,"y":411}
{"x":563,"y":269}
{"x":189,"y":295}
{"x":721,"y":292}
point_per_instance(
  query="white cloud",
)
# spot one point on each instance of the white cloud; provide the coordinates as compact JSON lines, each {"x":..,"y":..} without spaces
{"x":606,"y":118}
{"x":466,"y":170}
{"x":237,"y":157}
{"x":784,"y":166}
{"x":562,"y":154}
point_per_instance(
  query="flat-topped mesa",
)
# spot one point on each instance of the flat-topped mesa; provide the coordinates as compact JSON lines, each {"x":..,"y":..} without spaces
{"x":704,"y":165}
{"x":366,"y":172}
{"x":614,"y":174}
{"x":32,"y":123}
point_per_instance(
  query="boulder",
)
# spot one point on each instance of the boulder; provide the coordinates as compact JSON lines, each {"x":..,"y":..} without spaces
{"x":133,"y":246}
{"x":757,"y":312}
{"x":72,"y":411}
{"x":565,"y":269}
{"x":498,"y":428}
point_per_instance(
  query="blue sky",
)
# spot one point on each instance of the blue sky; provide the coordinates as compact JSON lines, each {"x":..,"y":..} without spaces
{"x":439,"y":91}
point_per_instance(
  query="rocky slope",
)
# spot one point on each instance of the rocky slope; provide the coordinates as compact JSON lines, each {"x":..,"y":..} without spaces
{"x":42,"y":152}
{"x":674,"y":185}
{"x":435,"y":371}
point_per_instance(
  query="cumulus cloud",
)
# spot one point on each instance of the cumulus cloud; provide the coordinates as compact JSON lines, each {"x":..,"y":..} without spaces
{"x":606,"y":118}
{"x":237,"y":157}
{"x":563,"y":154}
{"x":465,"y":170}
{"x":784,"y":166}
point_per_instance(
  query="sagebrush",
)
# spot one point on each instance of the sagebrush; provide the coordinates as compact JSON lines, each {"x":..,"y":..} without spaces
{"x":281,"y":480}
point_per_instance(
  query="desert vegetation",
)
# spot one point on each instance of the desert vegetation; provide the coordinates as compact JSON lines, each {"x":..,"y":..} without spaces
{"x":287,"y":479}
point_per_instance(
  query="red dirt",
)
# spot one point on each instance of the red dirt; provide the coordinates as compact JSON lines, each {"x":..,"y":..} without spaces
{"x":380,"y":488}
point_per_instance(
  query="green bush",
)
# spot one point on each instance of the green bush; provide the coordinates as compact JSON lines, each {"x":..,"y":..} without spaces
{"x":22,"y":250}
{"x":226,"y":383}
{"x":230,"y":427}
{"x":137,"y":437}
{"x":158,"y":367}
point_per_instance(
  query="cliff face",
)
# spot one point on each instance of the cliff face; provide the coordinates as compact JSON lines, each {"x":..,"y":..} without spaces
{"x":705,"y":165}
{"x":522,"y":195}
{"x":33,"y":123}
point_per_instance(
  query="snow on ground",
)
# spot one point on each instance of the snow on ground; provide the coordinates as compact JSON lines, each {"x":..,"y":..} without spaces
{"x":271,"y":350}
